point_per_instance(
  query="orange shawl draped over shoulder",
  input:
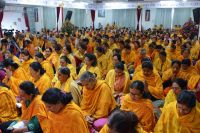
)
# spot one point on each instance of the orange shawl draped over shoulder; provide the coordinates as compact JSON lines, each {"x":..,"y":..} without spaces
{"x":68,"y":120}
{"x":143,"y":109}
{"x":171,"y":122}
{"x":8,"y":110}
{"x":36,"y":108}
{"x":192,"y":83}
{"x":154,"y":83}
{"x":43,"y":83}
{"x":98,"y":102}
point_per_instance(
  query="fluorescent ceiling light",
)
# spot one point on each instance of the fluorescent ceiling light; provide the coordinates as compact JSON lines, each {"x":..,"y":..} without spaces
{"x":168,"y":2}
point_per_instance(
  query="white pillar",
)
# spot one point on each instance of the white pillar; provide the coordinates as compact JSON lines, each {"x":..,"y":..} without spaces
{"x":172,"y":18}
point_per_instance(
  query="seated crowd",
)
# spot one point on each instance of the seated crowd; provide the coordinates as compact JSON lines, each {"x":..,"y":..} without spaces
{"x":100,"y":81}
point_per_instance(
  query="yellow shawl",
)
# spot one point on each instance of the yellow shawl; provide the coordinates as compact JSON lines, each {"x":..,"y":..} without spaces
{"x":110,"y":80}
{"x":98,"y":102}
{"x":8,"y":110}
{"x":91,"y":69}
{"x":171,"y":122}
{"x":154,"y":83}
{"x":36,"y":108}
{"x":68,"y":120}
{"x":171,"y":97}
{"x":43,"y":83}
{"x":48,"y":67}
{"x":143,"y":109}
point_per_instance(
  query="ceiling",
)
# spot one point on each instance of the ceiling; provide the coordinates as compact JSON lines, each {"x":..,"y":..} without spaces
{"x":99,"y":1}
{"x":107,"y":4}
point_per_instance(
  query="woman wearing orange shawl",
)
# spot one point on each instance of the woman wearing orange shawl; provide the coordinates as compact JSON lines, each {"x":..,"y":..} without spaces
{"x":194,"y":84}
{"x":39,"y":57}
{"x":14,"y":75}
{"x":142,"y":55}
{"x":41,"y":79}
{"x":63,"y":116}
{"x":151,"y":51}
{"x":128,"y":56}
{"x":102,"y":61}
{"x":67,"y":84}
{"x":90,"y":65}
{"x":162,"y":64}
{"x":185,"y":55}
{"x":10,"y":54}
{"x":187,"y":70}
{"x":181,"y":116}
{"x":137,"y":102}
{"x":34,"y":113}
{"x":30,"y":47}
{"x":67,"y":51}
{"x":118,"y":80}
{"x":97,"y":102}
{"x":172,"y":53}
{"x":170,"y":75}
{"x":26,"y":60}
{"x":178,"y":85}
{"x":152,"y":79}
{"x":52,"y":56}
{"x":8,"y":110}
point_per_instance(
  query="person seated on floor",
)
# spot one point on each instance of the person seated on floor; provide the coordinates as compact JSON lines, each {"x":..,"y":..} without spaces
{"x":122,"y":122}
{"x":138,"y":102}
{"x":181,"y":115}
{"x":64,"y":115}
{"x":98,"y":101}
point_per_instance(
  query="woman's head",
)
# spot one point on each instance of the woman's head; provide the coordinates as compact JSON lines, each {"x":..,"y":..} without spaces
{"x":186,"y":101}
{"x":90,"y":60}
{"x":55,"y":99}
{"x":10,"y":64}
{"x":137,"y":90}
{"x":64,"y":60}
{"x":136,"y":44}
{"x":119,"y":69}
{"x":88,"y":80}
{"x":162,"y":56}
{"x":9,"y":53}
{"x":36,"y":70}
{"x":127,"y":49}
{"x":178,"y":85}
{"x":39,"y":57}
{"x":82,"y":48}
{"x":147,"y":68}
{"x":123,"y":122}
{"x":185,"y":64}
{"x":67,"y":49}
{"x":176,"y":66}
{"x":63,"y":74}
{"x":48,"y":52}
{"x":186,"y":53}
{"x":27,"y":91}
{"x":116,"y":58}
{"x":100,"y":51}
{"x":25,"y":55}
{"x":57,"y":47}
